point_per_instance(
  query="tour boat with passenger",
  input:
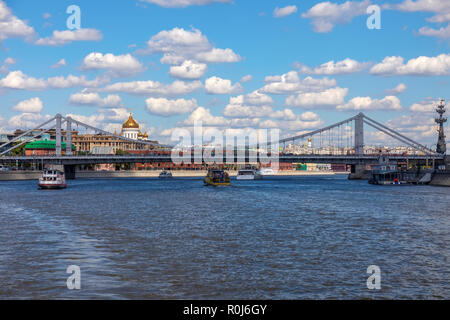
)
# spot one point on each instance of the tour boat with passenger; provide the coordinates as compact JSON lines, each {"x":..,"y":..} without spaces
{"x":216,"y":178}
{"x":52,"y":179}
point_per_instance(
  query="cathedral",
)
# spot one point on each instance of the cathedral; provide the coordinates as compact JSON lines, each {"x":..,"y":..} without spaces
{"x":131,"y":130}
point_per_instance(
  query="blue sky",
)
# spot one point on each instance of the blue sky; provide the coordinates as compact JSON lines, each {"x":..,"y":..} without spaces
{"x":224,"y":41}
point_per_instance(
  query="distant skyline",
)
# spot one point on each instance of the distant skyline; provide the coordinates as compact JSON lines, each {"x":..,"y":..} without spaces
{"x":293,"y":65}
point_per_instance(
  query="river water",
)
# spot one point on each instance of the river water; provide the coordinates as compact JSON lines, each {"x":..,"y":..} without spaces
{"x":279,"y":238}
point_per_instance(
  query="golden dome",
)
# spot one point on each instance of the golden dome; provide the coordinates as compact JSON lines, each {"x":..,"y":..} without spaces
{"x":145,"y":135}
{"x":130,"y":123}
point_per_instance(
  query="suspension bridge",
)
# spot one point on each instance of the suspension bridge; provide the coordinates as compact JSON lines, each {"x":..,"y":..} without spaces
{"x":340,"y":143}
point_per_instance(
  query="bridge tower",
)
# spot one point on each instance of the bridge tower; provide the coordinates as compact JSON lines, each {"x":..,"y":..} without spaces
{"x":441,"y":145}
{"x":359,"y":134}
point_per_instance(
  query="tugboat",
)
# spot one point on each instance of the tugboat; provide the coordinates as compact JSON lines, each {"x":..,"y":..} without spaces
{"x":165,"y":175}
{"x":217,"y":178}
{"x":52,"y":179}
{"x":249,"y":174}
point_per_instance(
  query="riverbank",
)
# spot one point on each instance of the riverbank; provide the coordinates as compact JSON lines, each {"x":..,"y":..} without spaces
{"x":34,"y":175}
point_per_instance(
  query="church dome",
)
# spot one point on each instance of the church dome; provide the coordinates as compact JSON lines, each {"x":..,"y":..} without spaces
{"x":130,"y":123}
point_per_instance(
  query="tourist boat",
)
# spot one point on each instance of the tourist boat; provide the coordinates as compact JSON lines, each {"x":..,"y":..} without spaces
{"x":165,"y":175}
{"x":249,"y":174}
{"x":52,"y":179}
{"x":266,"y":172}
{"x":217,"y":178}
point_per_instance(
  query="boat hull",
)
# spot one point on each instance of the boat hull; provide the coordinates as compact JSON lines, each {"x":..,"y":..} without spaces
{"x":249,"y":177}
{"x":210,"y":182}
{"x":52,"y":186}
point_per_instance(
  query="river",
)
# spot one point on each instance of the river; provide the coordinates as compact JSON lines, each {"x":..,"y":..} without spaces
{"x":279,"y":238}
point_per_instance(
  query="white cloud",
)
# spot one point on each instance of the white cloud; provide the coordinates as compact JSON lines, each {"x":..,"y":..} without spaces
{"x":216,"y":85}
{"x":6,"y":63}
{"x":443,"y":33}
{"x":428,"y":105}
{"x":388,"y":103}
{"x":188,"y":70}
{"x":326,"y":15}
{"x":46,"y":15}
{"x":205,"y":116}
{"x":291,"y":83}
{"x":246,"y":78}
{"x":178,"y":45}
{"x":94,"y":99}
{"x":59,"y":64}
{"x":397,"y":90}
{"x":284,"y":12}
{"x":440,"y":7}
{"x":120,"y":65}
{"x":345,"y":66}
{"x":33,"y":105}
{"x":245,"y":111}
{"x":27,"y":120}
{"x":103,"y":118}
{"x":11,"y":26}
{"x":328,"y":98}
{"x":60,"y":38}
{"x":183,"y":3}
{"x":154,"y":88}
{"x":218,"y":56}
{"x":165,"y":107}
{"x":20,"y":81}
{"x":421,"y":66}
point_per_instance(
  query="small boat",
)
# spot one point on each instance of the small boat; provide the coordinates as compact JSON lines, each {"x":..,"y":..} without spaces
{"x":216,"y":178}
{"x":165,"y":175}
{"x":52,"y":179}
{"x":249,"y":174}
{"x":266,"y":172}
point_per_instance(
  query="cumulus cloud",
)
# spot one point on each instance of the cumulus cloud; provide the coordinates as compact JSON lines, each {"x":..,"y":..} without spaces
{"x":291,"y":83}
{"x":60,"y":38}
{"x":327,"y":98}
{"x":246,"y":111}
{"x":421,"y":66}
{"x":59,"y":64}
{"x":93,"y":99}
{"x":345,"y":66}
{"x":19,"y":81}
{"x":103,"y":118}
{"x":285,"y":11}
{"x":183,"y":3}
{"x":165,"y":107}
{"x":33,"y":105}
{"x":216,"y":85}
{"x":11,"y":26}
{"x":326,"y":15}
{"x":153,"y":88}
{"x":205,"y":116}
{"x":178,"y":45}
{"x":27,"y":120}
{"x":4,"y":68}
{"x":427,"y":105}
{"x":188,"y":70}
{"x":443,"y":33}
{"x":246,"y":78}
{"x":121,"y":65}
{"x":389,"y":103}
{"x":440,"y":7}
{"x":397,"y":90}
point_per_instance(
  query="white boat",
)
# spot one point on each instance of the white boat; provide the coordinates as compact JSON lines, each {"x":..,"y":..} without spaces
{"x":248,"y":174}
{"x":52,"y":179}
{"x":165,"y":175}
{"x":266,"y":172}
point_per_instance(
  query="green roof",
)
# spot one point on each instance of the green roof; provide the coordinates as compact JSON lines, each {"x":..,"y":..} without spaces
{"x":45,"y":144}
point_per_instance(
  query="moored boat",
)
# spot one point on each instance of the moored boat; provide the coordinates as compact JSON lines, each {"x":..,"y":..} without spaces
{"x":217,"y":178}
{"x":248,"y":174}
{"x":266,"y":172}
{"x":52,"y":179}
{"x":165,"y":175}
